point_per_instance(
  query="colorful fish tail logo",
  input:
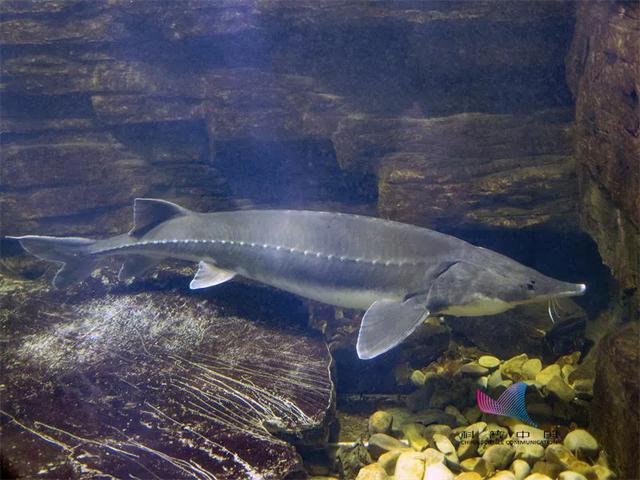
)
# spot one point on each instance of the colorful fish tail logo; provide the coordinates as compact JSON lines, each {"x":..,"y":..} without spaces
{"x":510,"y":403}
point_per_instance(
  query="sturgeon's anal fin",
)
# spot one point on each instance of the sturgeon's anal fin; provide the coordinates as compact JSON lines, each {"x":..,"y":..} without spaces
{"x":136,"y":265}
{"x":209,"y":275}
{"x":386,"y":324}
{"x":151,"y":212}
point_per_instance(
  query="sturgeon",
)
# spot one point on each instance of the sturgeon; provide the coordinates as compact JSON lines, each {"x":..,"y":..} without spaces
{"x":399,"y":273}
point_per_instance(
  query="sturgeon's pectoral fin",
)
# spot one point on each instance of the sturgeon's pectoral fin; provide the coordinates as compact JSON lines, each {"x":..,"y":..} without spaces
{"x":209,"y":275}
{"x":386,"y":324}
{"x":136,"y":265}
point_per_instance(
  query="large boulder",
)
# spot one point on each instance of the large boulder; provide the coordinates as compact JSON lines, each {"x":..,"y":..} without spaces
{"x":615,"y":409}
{"x":154,"y":382}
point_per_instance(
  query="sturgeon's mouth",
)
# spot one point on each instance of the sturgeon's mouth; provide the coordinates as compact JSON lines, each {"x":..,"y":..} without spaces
{"x":554,"y":309}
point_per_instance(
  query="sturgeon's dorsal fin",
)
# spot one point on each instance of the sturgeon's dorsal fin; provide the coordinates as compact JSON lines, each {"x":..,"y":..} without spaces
{"x":386,"y":323}
{"x":209,"y":275}
{"x":150,"y":212}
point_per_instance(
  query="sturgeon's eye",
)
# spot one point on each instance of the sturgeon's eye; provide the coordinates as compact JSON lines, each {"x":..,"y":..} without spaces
{"x":530,"y":285}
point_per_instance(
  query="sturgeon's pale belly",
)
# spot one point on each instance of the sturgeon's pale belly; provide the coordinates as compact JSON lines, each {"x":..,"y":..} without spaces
{"x":341,"y":297}
{"x":480,"y":306}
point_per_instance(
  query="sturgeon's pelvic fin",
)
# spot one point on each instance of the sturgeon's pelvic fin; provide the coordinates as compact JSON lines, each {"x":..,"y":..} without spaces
{"x":137,"y":265}
{"x":387,"y":323}
{"x":209,"y":275}
{"x":70,"y":251}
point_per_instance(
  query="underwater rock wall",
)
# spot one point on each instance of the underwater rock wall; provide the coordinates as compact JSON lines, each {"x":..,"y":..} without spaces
{"x":616,"y":417}
{"x":469,"y":169}
{"x":602,"y":71}
{"x":334,"y":105}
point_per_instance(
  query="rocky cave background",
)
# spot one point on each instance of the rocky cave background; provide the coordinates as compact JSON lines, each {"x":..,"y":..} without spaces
{"x":513,"y":125}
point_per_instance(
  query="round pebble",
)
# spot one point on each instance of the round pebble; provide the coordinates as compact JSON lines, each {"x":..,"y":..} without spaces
{"x":431,"y":456}
{"x":418,"y":378}
{"x":484,"y":468}
{"x":499,"y":456}
{"x":444,"y":445}
{"x":559,"y":388}
{"x":437,"y":471}
{"x":557,"y":453}
{"x":531,"y":368}
{"x":569,"y":475}
{"x":503,"y":475}
{"x":380,"y":443}
{"x":473,"y":414}
{"x":512,"y":368}
{"x":436,"y":428}
{"x":529,"y":452}
{"x":547,"y":468}
{"x":494,"y":379}
{"x":414,"y":433}
{"x":467,"y":449}
{"x":372,"y":472}
{"x":469,"y":476}
{"x":380,"y":422}
{"x":470,"y":464}
{"x":410,"y":466}
{"x":388,"y":461}
{"x":538,"y":476}
{"x":520,"y":469}
{"x":492,"y":435}
{"x":583,"y":468}
{"x":547,"y":374}
{"x":489,"y":361}
{"x":581,"y":443}
{"x":474,"y":370}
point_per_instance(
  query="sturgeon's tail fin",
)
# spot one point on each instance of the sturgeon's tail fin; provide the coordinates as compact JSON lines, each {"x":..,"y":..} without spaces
{"x":72,"y":252}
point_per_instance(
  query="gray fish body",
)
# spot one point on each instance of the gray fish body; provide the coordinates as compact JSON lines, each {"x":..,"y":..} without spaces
{"x":344,"y":260}
{"x":399,"y":273}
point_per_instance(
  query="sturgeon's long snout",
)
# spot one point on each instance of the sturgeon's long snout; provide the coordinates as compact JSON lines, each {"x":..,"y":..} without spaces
{"x":570,"y":290}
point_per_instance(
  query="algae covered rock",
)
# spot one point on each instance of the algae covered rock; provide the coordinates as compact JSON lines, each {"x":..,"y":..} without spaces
{"x":499,"y":456}
{"x":350,"y":461}
{"x":380,"y":422}
{"x":157,"y":384}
